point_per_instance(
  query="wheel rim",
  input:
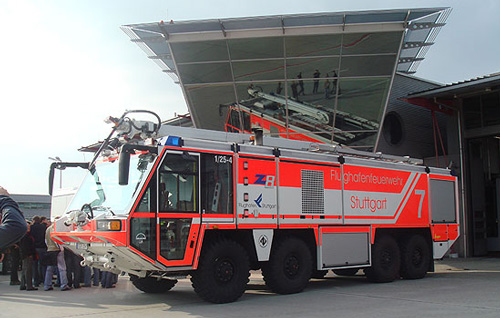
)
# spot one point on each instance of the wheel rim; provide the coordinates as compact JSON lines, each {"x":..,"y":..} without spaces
{"x":224,"y":271}
{"x":292,"y":266}
{"x":416,"y":257}
{"x":386,"y":259}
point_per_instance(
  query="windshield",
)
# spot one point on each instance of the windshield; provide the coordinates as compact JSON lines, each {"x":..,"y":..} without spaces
{"x":101,"y":190}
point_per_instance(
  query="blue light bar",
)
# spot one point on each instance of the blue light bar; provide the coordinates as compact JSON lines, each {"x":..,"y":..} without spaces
{"x":174,"y":141}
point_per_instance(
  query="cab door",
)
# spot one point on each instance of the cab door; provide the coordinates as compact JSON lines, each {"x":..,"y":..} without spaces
{"x":179,"y":217}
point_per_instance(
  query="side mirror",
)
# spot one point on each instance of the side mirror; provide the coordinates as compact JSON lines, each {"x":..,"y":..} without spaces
{"x":124,"y":160}
{"x":51,"y":177}
{"x":62,"y":166}
{"x":123,"y":166}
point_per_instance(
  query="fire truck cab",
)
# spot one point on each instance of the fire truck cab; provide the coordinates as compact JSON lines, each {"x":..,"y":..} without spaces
{"x":167,"y":202}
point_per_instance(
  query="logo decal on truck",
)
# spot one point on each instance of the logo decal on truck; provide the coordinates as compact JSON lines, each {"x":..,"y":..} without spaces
{"x":263,"y":240}
{"x":259,"y":200}
{"x":140,"y":238}
{"x":265,"y":180}
{"x":260,"y":179}
{"x":258,"y":204}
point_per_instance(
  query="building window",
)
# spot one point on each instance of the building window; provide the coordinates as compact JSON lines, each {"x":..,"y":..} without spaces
{"x":34,"y":206}
{"x":393,"y":129}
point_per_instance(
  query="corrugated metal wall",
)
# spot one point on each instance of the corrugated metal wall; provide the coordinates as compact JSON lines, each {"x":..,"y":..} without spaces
{"x":417,"y":138}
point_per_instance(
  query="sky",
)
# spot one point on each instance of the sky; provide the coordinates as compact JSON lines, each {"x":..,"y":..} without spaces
{"x":65,"y":65}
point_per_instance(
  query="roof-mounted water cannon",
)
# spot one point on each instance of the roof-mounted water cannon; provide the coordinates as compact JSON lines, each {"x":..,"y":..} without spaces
{"x":128,"y":131}
{"x":133,"y":135}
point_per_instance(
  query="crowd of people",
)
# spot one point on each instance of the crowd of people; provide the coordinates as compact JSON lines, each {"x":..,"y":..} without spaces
{"x":297,"y":86}
{"x":35,"y":260}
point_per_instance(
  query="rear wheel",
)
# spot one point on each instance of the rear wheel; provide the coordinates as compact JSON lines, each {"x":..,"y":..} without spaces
{"x":152,"y":285}
{"x":415,"y":257}
{"x":289,"y":268}
{"x":386,"y":260}
{"x":223,"y":272}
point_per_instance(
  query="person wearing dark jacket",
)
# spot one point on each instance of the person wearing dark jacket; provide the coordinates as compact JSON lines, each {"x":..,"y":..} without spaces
{"x":13,"y":226}
{"x":37,"y":230}
{"x":73,"y":268}
{"x":13,"y":261}
{"x":27,"y":251}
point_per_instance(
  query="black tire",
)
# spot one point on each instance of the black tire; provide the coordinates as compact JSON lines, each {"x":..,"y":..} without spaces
{"x":222,"y":273}
{"x":289,"y":268}
{"x":318,"y":274}
{"x":415,"y":257}
{"x":386,"y":260}
{"x":346,"y":271}
{"x":151,"y":285}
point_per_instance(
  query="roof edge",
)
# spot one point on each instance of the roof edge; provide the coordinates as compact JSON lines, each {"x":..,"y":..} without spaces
{"x":449,"y":88}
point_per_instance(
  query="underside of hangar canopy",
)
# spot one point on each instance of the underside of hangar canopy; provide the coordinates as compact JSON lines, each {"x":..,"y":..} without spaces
{"x":325,"y":75}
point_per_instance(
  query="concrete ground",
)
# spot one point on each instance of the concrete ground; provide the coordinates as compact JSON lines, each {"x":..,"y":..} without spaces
{"x":458,"y":288}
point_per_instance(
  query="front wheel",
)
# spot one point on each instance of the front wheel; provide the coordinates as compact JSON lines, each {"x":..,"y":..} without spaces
{"x":289,"y":268}
{"x":223,"y":272}
{"x":152,"y":285}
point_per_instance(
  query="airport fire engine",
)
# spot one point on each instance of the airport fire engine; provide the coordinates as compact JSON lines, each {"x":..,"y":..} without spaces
{"x":163,"y":203}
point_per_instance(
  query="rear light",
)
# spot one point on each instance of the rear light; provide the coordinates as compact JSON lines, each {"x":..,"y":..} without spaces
{"x":109,"y":225}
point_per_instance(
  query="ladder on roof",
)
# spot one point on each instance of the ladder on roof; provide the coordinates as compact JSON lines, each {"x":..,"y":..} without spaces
{"x":313,"y":112}
{"x":318,"y":112}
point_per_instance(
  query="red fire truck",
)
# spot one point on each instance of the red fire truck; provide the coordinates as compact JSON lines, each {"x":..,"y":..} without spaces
{"x":163,"y":202}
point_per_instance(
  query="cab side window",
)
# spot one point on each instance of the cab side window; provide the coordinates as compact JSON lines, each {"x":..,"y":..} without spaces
{"x":147,"y":203}
{"x":234,"y":120}
{"x":217,"y":183}
{"x":178,"y":183}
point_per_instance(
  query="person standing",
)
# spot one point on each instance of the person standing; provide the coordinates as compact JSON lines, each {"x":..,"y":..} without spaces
{"x":27,"y":251}
{"x":301,"y":84}
{"x":335,"y":83}
{"x":2,"y":258}
{"x":279,"y":88}
{"x":108,"y":279}
{"x":13,"y":226}
{"x":55,"y":258}
{"x":294,"y":90}
{"x":73,"y":268}
{"x":316,"y":75}
{"x":96,"y":276}
{"x":38,"y":232}
{"x":13,"y":254}
{"x":87,"y":276}
{"x":327,"y":88}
